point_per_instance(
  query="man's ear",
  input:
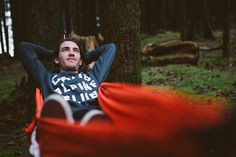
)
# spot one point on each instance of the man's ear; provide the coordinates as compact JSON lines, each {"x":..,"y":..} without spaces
{"x":56,"y":60}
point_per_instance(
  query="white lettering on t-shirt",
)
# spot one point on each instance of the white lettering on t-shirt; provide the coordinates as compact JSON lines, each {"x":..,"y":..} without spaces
{"x":86,"y":96}
{"x":73,"y":97}
{"x":80,"y":75}
{"x":64,"y":78}
{"x":64,"y":88}
{"x":93,"y":95}
{"x":82,"y":97}
{"x":86,"y":86}
{"x":80,"y":86}
{"x":55,"y":82}
{"x":87,"y":78}
{"x":67,"y":97}
{"x":93,"y":84}
{"x":58,"y":90}
{"x":73,"y":87}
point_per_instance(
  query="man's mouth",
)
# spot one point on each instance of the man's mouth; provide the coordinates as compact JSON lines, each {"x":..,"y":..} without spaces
{"x":71,"y":59}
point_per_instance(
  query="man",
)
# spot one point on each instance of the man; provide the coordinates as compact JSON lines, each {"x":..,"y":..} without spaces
{"x":77,"y":86}
{"x":71,"y":91}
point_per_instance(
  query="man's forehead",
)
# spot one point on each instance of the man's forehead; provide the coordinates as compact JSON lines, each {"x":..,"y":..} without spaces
{"x":69,"y":44}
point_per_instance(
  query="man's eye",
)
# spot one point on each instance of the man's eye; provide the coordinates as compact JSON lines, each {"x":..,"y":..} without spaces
{"x":76,"y":50}
{"x":64,"y":49}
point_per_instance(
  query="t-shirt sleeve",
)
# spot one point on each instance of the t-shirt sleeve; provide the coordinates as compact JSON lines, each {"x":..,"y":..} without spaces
{"x":33,"y":66}
{"x":105,"y":57}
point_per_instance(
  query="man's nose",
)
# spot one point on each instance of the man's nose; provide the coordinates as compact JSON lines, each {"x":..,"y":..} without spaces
{"x":71,"y":52}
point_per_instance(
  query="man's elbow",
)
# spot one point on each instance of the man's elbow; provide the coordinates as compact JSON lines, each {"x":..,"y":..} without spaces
{"x":22,"y":45}
{"x":112,"y":46}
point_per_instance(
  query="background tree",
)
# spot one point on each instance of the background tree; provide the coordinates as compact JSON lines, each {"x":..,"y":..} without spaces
{"x":5,"y":26}
{"x":45,"y":29}
{"x":21,"y":11}
{"x":121,"y":25}
{"x":183,"y":27}
{"x":163,"y":17}
{"x":1,"y":33}
{"x":207,"y":28}
{"x":41,"y":23}
{"x":226,"y":29}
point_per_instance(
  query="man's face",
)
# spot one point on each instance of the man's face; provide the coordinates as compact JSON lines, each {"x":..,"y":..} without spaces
{"x":69,"y":58}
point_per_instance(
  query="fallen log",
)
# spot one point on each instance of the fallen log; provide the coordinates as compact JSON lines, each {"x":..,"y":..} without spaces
{"x":205,"y":48}
{"x":171,"y":53}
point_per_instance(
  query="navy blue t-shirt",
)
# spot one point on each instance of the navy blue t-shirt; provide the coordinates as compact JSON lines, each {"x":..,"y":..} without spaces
{"x":79,"y":89}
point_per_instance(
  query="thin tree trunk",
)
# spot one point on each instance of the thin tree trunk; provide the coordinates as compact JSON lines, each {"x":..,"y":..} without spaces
{"x":66,"y":15}
{"x":184,"y":20}
{"x":163,"y":15}
{"x":1,"y":33}
{"x":20,"y":20}
{"x":5,"y":27}
{"x":74,"y":15}
{"x":121,"y":25}
{"x":2,"y":44}
{"x":207,"y":26}
{"x":1,"y":39}
{"x":226,"y":29}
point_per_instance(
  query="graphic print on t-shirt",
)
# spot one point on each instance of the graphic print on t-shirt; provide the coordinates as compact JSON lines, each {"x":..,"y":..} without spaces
{"x":78,"y":88}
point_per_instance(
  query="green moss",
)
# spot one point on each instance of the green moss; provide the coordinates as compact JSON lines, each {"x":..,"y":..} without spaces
{"x":165,"y":37}
{"x":213,"y":76}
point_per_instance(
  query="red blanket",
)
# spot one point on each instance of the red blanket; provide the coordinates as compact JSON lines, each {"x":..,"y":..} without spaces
{"x":147,"y":122}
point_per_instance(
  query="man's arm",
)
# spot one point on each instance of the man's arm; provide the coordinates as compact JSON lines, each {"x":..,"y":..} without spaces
{"x":104,"y":57}
{"x":33,"y":66}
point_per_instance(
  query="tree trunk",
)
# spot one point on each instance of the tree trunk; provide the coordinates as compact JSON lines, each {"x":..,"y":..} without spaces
{"x":5,"y":27}
{"x":45,"y":24}
{"x":226,"y":29}
{"x":207,"y":30}
{"x":184,"y":20}
{"x":20,"y":19}
{"x":121,"y":25}
{"x":163,"y":17}
{"x":74,"y":15}
{"x":66,"y":18}
{"x":1,"y":33}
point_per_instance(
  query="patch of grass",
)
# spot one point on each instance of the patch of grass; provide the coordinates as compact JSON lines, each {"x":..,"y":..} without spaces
{"x":7,"y":84}
{"x":160,"y":38}
{"x":213,"y":76}
{"x":10,"y":76}
{"x":190,"y":78}
{"x":12,"y":140}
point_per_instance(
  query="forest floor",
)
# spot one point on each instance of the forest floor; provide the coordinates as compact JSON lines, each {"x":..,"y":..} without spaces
{"x":218,"y":80}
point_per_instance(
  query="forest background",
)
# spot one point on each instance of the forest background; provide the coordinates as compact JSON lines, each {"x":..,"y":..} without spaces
{"x":132,"y":25}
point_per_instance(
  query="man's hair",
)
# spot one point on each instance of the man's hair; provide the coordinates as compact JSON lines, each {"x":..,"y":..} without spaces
{"x":83,"y":67}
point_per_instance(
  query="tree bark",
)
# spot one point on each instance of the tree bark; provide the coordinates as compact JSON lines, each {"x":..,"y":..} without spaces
{"x":121,"y":25}
{"x":163,"y":17}
{"x":226,"y":29}
{"x":207,"y":30}
{"x":1,"y":34}
{"x":45,"y":23}
{"x":74,"y":15}
{"x":20,"y":19}
{"x":66,"y":18}
{"x":183,"y":31}
{"x":5,"y":27}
